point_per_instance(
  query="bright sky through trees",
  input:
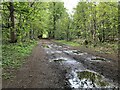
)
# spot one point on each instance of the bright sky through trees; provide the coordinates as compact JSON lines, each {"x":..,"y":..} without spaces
{"x":70,"y":4}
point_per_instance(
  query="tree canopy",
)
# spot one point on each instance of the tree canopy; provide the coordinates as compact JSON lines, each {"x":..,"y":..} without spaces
{"x":22,"y":21}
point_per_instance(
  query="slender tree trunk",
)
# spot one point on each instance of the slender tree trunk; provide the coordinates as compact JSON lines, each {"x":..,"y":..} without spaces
{"x":94,"y":31}
{"x":20,"y":26}
{"x":31,"y":32}
{"x":103,"y":33}
{"x":12,"y":28}
{"x":67,"y":33}
{"x":94,"y":25}
{"x":54,"y":22}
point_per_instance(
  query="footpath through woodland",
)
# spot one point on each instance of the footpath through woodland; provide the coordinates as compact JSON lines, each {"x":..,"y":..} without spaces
{"x":55,"y":65}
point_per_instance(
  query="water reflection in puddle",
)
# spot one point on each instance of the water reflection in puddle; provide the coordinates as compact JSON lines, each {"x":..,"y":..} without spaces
{"x":88,"y":79}
{"x":52,"y":52}
{"x":92,"y":79}
{"x":75,"y":52}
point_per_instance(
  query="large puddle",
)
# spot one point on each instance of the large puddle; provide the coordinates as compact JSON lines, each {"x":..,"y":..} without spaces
{"x":77,"y":75}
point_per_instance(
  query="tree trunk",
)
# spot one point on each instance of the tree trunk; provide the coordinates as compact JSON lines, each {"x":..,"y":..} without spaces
{"x":12,"y":24}
{"x":67,"y":33}
{"x":94,"y":25}
{"x":94,"y":31}
{"x":54,"y":22}
{"x":103,"y":33}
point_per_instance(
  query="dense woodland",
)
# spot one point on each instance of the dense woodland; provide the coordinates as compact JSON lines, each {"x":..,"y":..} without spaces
{"x":97,"y":22}
{"x":27,"y":21}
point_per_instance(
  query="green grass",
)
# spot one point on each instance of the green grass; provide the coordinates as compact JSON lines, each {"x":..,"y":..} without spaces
{"x":13,"y":55}
{"x":71,"y":43}
{"x":7,"y":76}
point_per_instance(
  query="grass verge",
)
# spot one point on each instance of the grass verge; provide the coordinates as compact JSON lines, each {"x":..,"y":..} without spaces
{"x":71,"y":43}
{"x":13,"y":56}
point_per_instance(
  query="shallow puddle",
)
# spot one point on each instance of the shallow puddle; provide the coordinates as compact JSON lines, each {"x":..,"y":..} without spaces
{"x":74,"y":52}
{"x":53,"y":52}
{"x":61,"y":59}
{"x":65,"y":61}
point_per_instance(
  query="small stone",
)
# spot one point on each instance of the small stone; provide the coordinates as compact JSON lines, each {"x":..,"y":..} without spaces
{"x":30,"y":76}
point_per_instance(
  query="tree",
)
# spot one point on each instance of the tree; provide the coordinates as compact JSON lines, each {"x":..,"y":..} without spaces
{"x":12,"y":23}
{"x":96,"y":21}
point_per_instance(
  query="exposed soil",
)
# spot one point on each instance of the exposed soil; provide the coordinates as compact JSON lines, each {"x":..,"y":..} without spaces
{"x":38,"y":72}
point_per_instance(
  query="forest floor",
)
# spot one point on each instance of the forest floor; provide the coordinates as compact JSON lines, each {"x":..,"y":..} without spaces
{"x":36,"y":72}
{"x":40,"y":72}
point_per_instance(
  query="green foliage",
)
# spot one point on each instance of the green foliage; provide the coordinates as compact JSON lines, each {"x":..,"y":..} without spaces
{"x":13,"y":55}
{"x":29,"y":20}
{"x":96,"y":21}
{"x":7,"y":76}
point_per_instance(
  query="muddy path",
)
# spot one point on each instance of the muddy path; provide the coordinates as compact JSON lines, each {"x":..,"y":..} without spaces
{"x":97,"y":71}
{"x":54,"y":65}
{"x":37,"y":72}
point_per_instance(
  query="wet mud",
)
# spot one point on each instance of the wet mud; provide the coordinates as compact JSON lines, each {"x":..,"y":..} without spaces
{"x":77,"y":76}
